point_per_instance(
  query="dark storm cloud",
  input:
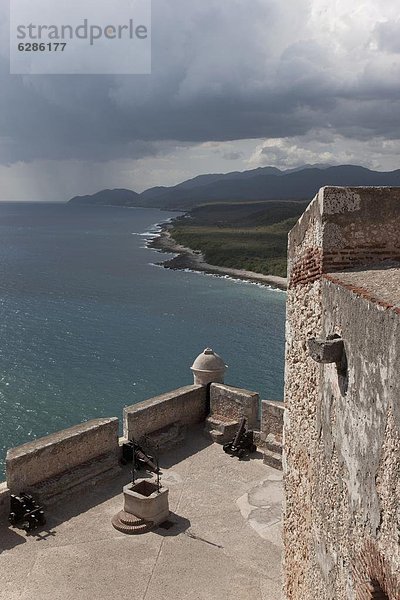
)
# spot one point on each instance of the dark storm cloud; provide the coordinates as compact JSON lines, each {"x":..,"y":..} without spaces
{"x":221,"y":71}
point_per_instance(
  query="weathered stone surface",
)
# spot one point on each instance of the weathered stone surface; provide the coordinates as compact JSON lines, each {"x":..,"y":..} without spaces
{"x":272,"y":459}
{"x":233,"y":403}
{"x":87,"y":474}
{"x":342,"y":430}
{"x":326,"y":351}
{"x":272,"y":413}
{"x":144,"y":501}
{"x":54,"y":454}
{"x":208,"y":367}
{"x":262,"y":506}
{"x":186,"y":406}
{"x":271,"y":434}
{"x":359,"y":431}
{"x":220,"y":429}
{"x":167,"y":437}
{"x":4,"y":501}
{"x":274,"y":443}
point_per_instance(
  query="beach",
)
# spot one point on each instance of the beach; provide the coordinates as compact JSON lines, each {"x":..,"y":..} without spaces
{"x":188,"y":259}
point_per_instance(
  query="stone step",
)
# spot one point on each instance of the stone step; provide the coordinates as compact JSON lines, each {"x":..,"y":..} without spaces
{"x":129,"y":519}
{"x":273,"y":459}
{"x":227,"y":428}
{"x":217,"y":436}
{"x":257,"y":437}
{"x":220,"y":423}
{"x":274,"y":443}
{"x":127,"y":523}
{"x":88,"y":474}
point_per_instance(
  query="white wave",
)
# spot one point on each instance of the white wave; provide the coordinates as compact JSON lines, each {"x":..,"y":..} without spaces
{"x":228,"y":277}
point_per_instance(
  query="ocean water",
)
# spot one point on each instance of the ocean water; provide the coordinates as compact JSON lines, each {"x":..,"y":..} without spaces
{"x":88,"y":324}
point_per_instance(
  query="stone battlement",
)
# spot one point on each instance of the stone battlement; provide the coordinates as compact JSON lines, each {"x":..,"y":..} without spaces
{"x":344,"y":228}
{"x":84,"y":454}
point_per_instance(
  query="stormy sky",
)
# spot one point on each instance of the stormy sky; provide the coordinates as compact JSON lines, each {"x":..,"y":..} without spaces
{"x":235,"y":84}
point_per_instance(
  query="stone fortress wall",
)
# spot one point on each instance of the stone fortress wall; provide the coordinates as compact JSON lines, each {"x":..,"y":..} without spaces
{"x":342,"y":420}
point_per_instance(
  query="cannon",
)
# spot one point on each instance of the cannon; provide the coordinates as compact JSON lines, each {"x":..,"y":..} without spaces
{"x":243,"y":442}
{"x":144,"y":461}
{"x":25,"y":512}
{"x":132,"y":452}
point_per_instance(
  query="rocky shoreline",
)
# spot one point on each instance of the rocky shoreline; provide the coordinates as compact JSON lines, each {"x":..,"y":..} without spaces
{"x":190,"y":259}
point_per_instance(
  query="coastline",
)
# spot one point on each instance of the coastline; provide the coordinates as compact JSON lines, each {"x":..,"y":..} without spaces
{"x":190,"y":259}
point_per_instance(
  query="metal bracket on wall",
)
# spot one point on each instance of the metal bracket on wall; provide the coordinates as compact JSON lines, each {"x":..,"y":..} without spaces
{"x":326,"y":351}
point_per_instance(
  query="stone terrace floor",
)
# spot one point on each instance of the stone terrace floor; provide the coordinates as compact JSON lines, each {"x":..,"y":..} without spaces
{"x":225,"y":541}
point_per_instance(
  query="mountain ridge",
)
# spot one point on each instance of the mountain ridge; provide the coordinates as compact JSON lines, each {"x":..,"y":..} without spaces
{"x":264,"y":183}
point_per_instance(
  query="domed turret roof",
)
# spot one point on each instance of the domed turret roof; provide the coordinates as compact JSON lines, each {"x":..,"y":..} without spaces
{"x":208,"y":361}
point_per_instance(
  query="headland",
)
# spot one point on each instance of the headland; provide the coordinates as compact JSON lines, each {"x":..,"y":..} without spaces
{"x":193,"y":260}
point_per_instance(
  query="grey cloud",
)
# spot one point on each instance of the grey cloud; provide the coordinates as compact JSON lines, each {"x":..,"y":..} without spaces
{"x":327,"y":147}
{"x":222,"y":71}
{"x":387,"y":35}
{"x":232,"y":155}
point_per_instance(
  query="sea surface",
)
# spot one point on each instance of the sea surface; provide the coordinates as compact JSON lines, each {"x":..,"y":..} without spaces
{"x":88,"y":323}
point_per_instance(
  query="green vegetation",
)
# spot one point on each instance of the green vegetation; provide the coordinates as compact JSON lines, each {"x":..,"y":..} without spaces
{"x":249,"y":235}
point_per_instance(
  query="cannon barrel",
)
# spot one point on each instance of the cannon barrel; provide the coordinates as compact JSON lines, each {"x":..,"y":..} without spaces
{"x":243,"y":442}
{"x":240,"y":432}
{"x":141,"y":457}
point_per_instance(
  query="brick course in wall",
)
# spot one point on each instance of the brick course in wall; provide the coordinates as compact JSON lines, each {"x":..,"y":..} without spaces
{"x":308,"y":268}
{"x":351,"y":234}
{"x":314,"y":263}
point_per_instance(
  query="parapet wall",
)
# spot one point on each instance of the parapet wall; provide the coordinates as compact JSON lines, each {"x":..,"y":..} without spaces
{"x":50,"y":456}
{"x":233,"y":403}
{"x":272,"y":413}
{"x":4,"y":501}
{"x":184,"y":406}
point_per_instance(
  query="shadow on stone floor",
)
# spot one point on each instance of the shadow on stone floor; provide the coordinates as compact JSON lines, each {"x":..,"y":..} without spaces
{"x":173,"y":526}
{"x":9,"y":538}
{"x":85,"y":499}
{"x":192,"y":444}
{"x":254,"y":456}
{"x":71,"y":505}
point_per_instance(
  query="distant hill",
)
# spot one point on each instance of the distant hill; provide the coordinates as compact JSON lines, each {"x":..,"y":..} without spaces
{"x":242,"y":214}
{"x":118,"y":197}
{"x":267,"y":183}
